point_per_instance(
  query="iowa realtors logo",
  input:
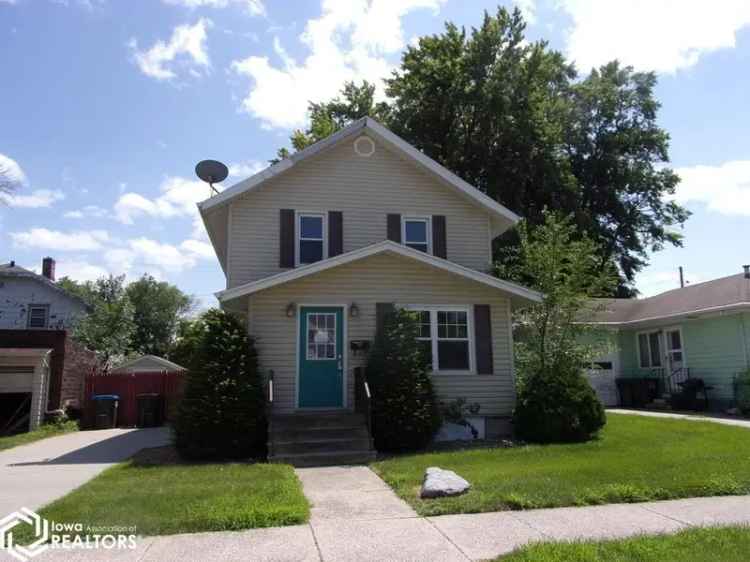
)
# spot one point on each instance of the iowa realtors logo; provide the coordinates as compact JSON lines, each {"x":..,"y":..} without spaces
{"x":41,"y":534}
{"x":60,"y":536}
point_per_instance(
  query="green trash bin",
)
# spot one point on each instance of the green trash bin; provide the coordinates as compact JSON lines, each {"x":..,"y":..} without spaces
{"x":105,"y":410}
{"x":150,"y":409}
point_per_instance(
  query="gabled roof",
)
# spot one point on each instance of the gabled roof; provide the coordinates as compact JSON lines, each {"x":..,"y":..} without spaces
{"x":18,"y":272}
{"x":502,"y":218}
{"x":164,"y":363}
{"x":724,"y":294}
{"x":516,"y":291}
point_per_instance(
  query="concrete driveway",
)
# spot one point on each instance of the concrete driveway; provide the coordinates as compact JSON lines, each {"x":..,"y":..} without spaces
{"x":35,"y":474}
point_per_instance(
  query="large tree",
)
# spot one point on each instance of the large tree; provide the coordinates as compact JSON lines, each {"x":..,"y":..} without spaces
{"x":513,"y":118}
{"x":157,"y":306}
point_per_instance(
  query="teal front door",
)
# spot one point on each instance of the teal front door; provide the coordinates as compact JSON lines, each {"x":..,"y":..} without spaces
{"x":321,"y":357}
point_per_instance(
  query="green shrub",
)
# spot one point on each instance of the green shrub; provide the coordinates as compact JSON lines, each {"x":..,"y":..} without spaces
{"x":222,"y":412}
{"x":557,"y":406}
{"x":405,"y":413}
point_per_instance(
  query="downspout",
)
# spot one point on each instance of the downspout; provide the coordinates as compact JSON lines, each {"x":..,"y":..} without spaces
{"x":744,"y":339}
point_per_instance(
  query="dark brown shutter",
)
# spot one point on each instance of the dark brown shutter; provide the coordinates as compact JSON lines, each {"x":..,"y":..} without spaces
{"x":382,"y":310}
{"x":335,"y":233}
{"x":483,"y":336}
{"x":394,"y":228}
{"x":439,"y":245}
{"x":286,"y":238}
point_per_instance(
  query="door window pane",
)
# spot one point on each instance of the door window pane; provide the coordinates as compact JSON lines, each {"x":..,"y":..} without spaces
{"x":674,"y":340}
{"x":321,"y":336}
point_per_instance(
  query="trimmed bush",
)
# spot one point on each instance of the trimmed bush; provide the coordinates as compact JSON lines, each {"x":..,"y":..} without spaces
{"x":557,"y":406}
{"x":405,"y":412}
{"x":222,"y":412}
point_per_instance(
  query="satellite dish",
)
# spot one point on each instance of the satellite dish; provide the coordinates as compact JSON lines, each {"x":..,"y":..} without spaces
{"x":211,"y":171}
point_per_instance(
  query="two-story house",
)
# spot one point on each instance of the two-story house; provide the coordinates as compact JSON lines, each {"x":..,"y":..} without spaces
{"x":37,"y":314}
{"x":319,"y":246}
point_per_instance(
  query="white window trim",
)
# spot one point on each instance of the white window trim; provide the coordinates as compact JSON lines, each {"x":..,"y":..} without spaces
{"x":46,"y":317}
{"x":647,"y":333}
{"x":433,"y":310}
{"x":298,"y":234}
{"x":426,"y":219}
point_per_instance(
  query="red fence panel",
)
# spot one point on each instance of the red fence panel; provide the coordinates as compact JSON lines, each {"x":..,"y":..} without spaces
{"x":129,"y":385}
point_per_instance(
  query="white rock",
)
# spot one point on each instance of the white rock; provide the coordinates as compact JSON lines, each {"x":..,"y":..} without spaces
{"x":438,"y":483}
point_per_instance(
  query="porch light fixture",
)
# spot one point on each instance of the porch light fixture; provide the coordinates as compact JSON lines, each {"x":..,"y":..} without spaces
{"x":354,"y":310}
{"x":290,"y":310}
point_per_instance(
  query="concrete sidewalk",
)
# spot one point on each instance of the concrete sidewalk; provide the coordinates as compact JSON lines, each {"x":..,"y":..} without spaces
{"x":723,"y":420}
{"x":355,"y":517}
{"x":35,"y":474}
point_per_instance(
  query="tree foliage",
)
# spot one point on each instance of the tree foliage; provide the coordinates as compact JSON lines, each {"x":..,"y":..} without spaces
{"x":405,"y":412}
{"x":109,"y":324}
{"x":157,"y":307}
{"x":515,"y":119}
{"x":140,"y":318}
{"x":8,"y":184}
{"x":555,"y":402}
{"x":222,"y":413}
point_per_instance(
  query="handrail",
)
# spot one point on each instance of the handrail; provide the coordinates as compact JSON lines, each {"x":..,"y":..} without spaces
{"x":367,"y":390}
{"x":363,"y":396}
{"x":270,"y":387}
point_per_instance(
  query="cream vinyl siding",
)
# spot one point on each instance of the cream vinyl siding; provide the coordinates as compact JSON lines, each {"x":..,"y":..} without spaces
{"x":365,"y":189}
{"x":380,"y":278}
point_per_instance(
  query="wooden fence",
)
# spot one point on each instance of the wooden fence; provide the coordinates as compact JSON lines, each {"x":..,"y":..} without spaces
{"x":129,"y":385}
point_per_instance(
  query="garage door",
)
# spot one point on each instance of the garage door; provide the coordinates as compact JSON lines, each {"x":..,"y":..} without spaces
{"x":16,"y":378}
{"x":603,"y":383}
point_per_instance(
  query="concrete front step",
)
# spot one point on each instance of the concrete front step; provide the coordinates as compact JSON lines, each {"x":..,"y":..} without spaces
{"x":325,"y":458}
{"x":314,"y":446}
{"x":321,"y":433}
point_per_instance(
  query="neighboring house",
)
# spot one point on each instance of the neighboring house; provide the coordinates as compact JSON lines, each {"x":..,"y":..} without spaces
{"x":700,"y":331}
{"x":36,"y":313}
{"x":319,"y":246}
{"x":147,"y":364}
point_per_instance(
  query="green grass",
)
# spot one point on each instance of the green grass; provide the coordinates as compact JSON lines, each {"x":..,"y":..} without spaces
{"x":728,"y":544}
{"x":635,"y":459}
{"x":185,"y":498}
{"x":42,"y":432}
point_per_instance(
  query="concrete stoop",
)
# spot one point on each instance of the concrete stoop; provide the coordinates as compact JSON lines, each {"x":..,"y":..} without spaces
{"x":320,"y":439}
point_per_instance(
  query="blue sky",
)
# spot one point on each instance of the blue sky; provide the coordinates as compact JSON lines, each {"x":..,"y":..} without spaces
{"x":106,"y":106}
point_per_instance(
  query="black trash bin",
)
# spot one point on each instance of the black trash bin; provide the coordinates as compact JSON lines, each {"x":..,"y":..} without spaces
{"x":150,"y":410}
{"x":105,"y":410}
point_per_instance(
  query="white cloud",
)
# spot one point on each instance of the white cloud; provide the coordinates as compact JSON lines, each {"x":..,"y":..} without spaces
{"x":178,"y":199}
{"x":36,"y":199}
{"x":89,"y":211}
{"x":661,"y":36}
{"x":528,"y":10}
{"x":723,"y":189}
{"x":198,"y":249}
{"x":62,"y":241}
{"x":253,"y":7}
{"x":349,"y":41}
{"x":10,"y":171}
{"x":186,"y":48}
{"x":80,"y":270}
{"x":242,"y":170}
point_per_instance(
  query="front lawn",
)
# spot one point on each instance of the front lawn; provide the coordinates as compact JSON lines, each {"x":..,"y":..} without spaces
{"x":185,"y":498}
{"x":728,"y":544}
{"x":42,"y":432}
{"x":635,"y":459}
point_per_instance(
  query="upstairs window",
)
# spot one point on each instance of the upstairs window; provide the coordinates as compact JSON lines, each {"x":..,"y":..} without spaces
{"x":310,"y":238}
{"x":416,"y":233}
{"x":38,"y":315}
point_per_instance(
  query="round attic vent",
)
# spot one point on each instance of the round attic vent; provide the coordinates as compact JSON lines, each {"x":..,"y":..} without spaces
{"x":364,"y":146}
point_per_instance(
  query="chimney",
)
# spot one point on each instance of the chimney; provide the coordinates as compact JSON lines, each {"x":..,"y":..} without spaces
{"x":48,"y":268}
{"x":12,"y":263}
{"x":682,"y":279}
{"x":747,"y":271}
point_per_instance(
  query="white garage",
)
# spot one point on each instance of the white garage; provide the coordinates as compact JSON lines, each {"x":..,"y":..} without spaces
{"x":24,"y":384}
